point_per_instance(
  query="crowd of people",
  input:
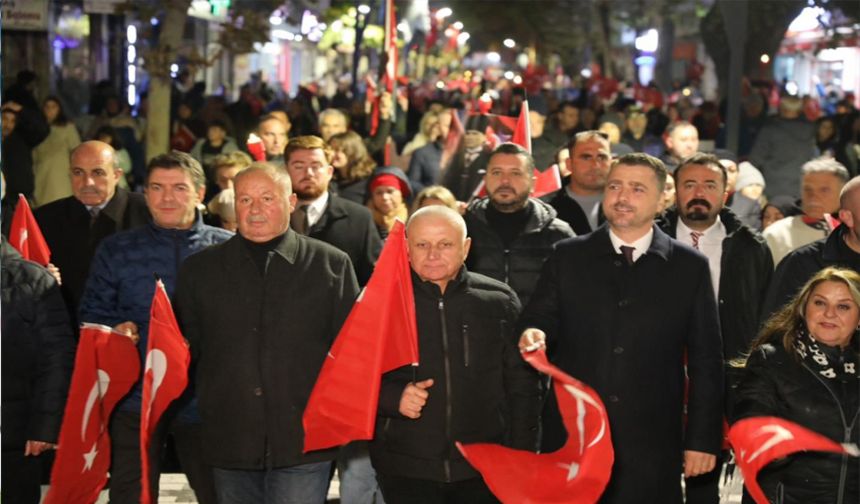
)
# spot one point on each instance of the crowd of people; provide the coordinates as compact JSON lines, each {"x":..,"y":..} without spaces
{"x":685,"y":283}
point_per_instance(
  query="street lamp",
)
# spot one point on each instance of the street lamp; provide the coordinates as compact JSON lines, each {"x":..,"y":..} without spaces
{"x":463,"y":38}
{"x":443,"y":13}
{"x":364,"y":9}
{"x":509,"y":43}
{"x":457,"y":25}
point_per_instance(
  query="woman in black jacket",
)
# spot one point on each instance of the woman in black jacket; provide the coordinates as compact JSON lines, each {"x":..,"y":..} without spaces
{"x":804,"y":367}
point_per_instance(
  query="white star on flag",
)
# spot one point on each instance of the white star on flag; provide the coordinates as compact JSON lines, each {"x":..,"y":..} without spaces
{"x":90,"y":457}
{"x":572,"y":469}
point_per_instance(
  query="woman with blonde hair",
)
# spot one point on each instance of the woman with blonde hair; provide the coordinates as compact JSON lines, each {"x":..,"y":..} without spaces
{"x":803,"y":368}
{"x":435,"y":195}
{"x":428,"y":131}
{"x":352,"y":166}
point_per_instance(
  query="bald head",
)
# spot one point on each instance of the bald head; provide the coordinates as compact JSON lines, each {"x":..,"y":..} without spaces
{"x":94,"y":173}
{"x":439,"y":213}
{"x":438,"y":245}
{"x":849,"y":192}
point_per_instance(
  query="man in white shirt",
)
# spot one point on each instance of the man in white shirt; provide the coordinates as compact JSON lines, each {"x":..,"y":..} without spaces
{"x":740,"y":264}
{"x":600,"y":306}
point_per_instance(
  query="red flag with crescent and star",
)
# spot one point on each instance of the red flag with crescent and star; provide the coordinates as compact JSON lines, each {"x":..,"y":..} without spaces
{"x":165,"y":374}
{"x":577,"y":473}
{"x":758,"y":441}
{"x":106,"y":367}
{"x":379,"y":335}
{"x":26,"y":236}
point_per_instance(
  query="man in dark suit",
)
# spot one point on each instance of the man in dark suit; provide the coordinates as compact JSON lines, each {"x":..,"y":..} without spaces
{"x":75,"y":225}
{"x":600,"y":306}
{"x":467,"y":168}
{"x":578,"y":202}
{"x":326,"y":216}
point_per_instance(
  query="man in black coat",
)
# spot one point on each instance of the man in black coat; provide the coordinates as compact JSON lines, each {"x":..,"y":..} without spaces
{"x":74,"y":226}
{"x":325,"y":216}
{"x":618,"y":309}
{"x":841,"y":248}
{"x":466,"y":168}
{"x":578,"y":202}
{"x":512,"y":234}
{"x":741,"y":266}
{"x":471,"y":384}
{"x":38,"y":354}
{"x":260,"y":312}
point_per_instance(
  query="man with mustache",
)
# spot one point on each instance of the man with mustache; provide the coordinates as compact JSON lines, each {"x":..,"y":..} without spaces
{"x":512,"y":234}
{"x":822,"y":181}
{"x":578,"y":202}
{"x":260,"y":311}
{"x":741,"y":268}
{"x":119,"y":294}
{"x":597,"y":307}
{"x":841,"y":248}
{"x":75,"y":225}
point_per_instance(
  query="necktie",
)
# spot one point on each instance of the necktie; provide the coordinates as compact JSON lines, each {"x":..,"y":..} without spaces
{"x":628,"y":253}
{"x":299,"y":219}
{"x":94,"y":215}
{"x":695,"y":236}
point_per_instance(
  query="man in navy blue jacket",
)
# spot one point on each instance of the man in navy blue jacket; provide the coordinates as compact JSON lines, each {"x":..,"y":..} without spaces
{"x":119,"y":293}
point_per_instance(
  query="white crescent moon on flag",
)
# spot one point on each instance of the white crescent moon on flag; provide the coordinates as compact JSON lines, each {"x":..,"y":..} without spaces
{"x":100,"y":388}
{"x":779,"y":434}
{"x":582,"y":397}
{"x":22,"y":238}
{"x":157,"y":362}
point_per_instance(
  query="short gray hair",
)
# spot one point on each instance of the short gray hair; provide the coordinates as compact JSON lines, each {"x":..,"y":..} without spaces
{"x":279,"y":176}
{"x":441,"y":212}
{"x":826,"y":165}
{"x":334,"y":112}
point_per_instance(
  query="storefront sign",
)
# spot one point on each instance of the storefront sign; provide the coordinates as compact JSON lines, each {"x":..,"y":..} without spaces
{"x":25,"y":15}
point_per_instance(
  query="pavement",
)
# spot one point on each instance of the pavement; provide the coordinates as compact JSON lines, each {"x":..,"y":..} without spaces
{"x":174,"y":489}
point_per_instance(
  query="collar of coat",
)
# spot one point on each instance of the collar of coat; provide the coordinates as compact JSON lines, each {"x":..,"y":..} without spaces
{"x":601,"y":244}
{"x":288,"y":248}
{"x":835,"y":249}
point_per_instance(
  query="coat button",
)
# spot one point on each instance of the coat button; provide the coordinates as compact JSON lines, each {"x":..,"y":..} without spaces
{"x":618,"y":350}
{"x":258,"y":391}
{"x":613,"y":398}
{"x":617,"y":263}
{"x":624,"y":303}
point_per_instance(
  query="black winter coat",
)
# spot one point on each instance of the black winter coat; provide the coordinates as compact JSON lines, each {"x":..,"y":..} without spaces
{"x":802,"y":264}
{"x":462,"y":180}
{"x":569,"y":210}
{"x":38,"y":352}
{"x":259,"y":342}
{"x":623,"y":330}
{"x":483,"y":390}
{"x":777,"y":384}
{"x":350,"y":227}
{"x":66,"y":226}
{"x":746,"y":267}
{"x":519,"y":265}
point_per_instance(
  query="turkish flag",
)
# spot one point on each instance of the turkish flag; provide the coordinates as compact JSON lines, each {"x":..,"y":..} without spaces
{"x":547,"y":181}
{"x":106,"y":367}
{"x":165,"y":374}
{"x":523,"y":131}
{"x":378,"y":336}
{"x":758,"y":441}
{"x":575,"y":474}
{"x":25,"y":235}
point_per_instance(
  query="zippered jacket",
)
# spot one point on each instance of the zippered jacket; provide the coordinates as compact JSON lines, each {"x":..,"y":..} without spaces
{"x":483,"y":390}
